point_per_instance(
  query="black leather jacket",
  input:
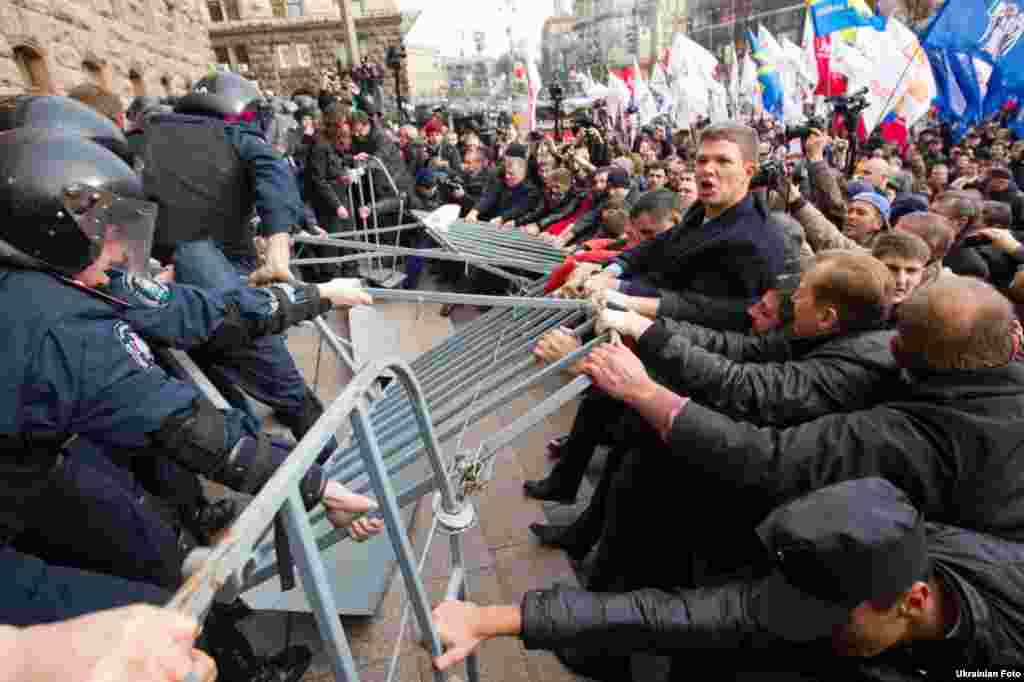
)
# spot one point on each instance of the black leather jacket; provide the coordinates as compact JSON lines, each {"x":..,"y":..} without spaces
{"x":987,"y":574}
{"x":772,"y":378}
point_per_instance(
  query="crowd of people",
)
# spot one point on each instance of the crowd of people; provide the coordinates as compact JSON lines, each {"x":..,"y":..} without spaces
{"x":811,"y":417}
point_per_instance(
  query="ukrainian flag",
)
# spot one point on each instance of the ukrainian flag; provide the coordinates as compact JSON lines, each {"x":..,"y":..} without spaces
{"x":767,"y":76}
{"x":830,"y":16}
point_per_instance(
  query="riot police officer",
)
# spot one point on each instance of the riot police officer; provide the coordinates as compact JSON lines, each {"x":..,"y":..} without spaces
{"x":208,"y":167}
{"x":77,"y":371}
{"x":169,"y":315}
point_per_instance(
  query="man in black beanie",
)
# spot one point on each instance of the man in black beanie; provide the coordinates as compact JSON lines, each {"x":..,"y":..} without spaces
{"x":852,"y":584}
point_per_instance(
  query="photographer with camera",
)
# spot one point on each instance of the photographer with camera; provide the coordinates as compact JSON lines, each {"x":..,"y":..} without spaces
{"x":587,"y":135}
{"x":473,"y":181}
{"x":822,"y":180}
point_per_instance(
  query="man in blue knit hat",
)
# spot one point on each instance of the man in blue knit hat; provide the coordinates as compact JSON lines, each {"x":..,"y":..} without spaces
{"x":867,"y":214}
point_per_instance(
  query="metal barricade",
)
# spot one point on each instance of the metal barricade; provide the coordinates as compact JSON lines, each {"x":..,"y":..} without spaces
{"x":434,"y":399}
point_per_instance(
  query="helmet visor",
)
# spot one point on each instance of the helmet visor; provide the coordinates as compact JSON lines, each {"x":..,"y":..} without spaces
{"x":123,"y":225}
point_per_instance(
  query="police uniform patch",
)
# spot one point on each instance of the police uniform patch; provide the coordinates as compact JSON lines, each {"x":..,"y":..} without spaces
{"x":133,"y":343}
{"x":148,"y":292}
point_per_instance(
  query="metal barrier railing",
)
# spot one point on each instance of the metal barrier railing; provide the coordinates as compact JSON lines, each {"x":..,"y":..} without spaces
{"x":227,"y":567}
{"x":466,"y":377}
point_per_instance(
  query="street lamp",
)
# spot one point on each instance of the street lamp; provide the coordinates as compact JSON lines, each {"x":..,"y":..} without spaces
{"x":394,"y":58}
{"x":557,"y":95}
{"x":340,"y":60}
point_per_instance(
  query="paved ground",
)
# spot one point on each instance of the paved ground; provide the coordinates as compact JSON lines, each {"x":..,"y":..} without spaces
{"x":503,"y":559}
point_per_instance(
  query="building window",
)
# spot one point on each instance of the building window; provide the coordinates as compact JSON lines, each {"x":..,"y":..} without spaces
{"x":294,"y":8}
{"x":242,"y":58}
{"x":303,"y":55}
{"x":360,"y":7}
{"x":222,"y":57}
{"x":223,"y":10}
{"x":279,"y":8}
{"x":93,"y":70}
{"x":34,"y":69}
{"x":137,"y":83}
{"x":363,"y":41}
{"x":285,"y":56}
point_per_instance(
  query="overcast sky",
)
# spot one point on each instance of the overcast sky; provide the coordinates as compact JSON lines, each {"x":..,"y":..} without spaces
{"x":442,"y":18}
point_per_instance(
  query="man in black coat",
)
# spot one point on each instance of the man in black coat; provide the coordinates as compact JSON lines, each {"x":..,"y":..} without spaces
{"x":950,"y":437}
{"x":726,"y":246}
{"x":851,"y":584}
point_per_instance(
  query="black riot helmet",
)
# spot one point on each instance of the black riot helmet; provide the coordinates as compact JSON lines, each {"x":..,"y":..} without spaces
{"x":62,"y":197}
{"x":66,"y":115}
{"x":141,"y":105}
{"x":221,"y":95}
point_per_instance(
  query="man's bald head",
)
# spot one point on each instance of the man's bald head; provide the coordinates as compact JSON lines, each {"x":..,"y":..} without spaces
{"x":958,"y":323}
{"x":877,"y":172}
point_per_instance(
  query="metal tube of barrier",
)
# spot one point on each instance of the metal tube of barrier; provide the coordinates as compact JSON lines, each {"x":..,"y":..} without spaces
{"x":442,"y":239}
{"x":440,"y":395}
{"x":490,"y":250}
{"x":537,"y":249}
{"x":453,"y":370}
{"x":511,"y":239}
{"x":413,"y":296}
{"x":399,"y":539}
{"x":382,"y":230}
{"x":386,"y":416}
{"x":449,"y":426}
{"x":484,"y":232}
{"x":232,"y":556}
{"x":490,"y":448}
{"x":425,"y":253}
{"x":318,"y":588}
{"x":454,"y":359}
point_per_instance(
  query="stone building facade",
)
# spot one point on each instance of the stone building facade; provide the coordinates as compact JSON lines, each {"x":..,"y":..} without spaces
{"x":155,"y":47}
{"x":285,"y":45}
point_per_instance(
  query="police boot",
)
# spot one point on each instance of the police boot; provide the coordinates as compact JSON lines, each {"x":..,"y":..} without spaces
{"x":237,"y":662}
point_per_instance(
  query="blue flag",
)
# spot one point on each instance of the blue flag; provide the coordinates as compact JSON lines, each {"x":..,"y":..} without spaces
{"x":988,"y":29}
{"x":830,"y":16}
{"x":768,"y":77}
{"x":960,"y":96}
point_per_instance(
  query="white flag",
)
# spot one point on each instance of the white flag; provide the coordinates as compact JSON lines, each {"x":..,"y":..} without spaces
{"x":898,"y":63}
{"x":534,"y":84}
{"x":647,"y":107}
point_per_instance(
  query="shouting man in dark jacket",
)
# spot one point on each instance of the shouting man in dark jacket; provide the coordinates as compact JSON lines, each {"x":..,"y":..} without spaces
{"x":950,"y":437}
{"x":726,"y":245}
{"x":852,"y":584}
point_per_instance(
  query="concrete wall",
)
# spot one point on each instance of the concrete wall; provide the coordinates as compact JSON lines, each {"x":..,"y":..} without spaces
{"x":160,"y":40}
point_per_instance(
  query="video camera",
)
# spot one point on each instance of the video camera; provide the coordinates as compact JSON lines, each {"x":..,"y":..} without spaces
{"x":768,"y":175}
{"x":814,"y":123}
{"x":849,"y":104}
